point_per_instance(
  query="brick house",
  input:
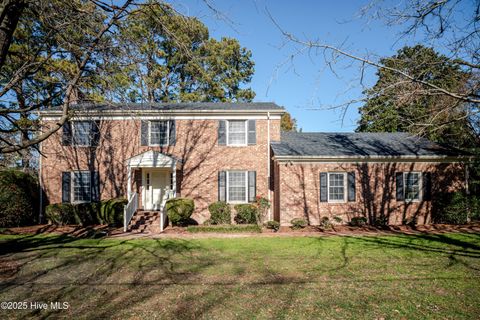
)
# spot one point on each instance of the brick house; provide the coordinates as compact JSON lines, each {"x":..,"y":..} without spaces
{"x":234,"y":152}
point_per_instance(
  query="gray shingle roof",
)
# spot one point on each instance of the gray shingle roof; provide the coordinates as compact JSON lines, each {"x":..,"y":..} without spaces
{"x":181,"y":106}
{"x":330,"y":144}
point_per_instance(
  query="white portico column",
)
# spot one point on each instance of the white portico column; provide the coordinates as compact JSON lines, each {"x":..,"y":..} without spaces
{"x":129,"y":182}
{"x":174,"y":178}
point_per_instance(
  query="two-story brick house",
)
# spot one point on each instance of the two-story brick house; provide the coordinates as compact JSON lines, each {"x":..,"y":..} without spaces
{"x":235,"y":152}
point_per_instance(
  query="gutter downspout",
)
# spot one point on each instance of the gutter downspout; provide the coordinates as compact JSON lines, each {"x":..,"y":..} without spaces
{"x":467,"y":190}
{"x":268,"y":167}
{"x":40,"y":183}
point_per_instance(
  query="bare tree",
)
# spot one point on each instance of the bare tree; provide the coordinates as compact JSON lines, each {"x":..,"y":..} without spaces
{"x":442,"y":22}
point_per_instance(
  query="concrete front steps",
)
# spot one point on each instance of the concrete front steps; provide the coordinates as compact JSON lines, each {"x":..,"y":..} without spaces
{"x":145,"y":222}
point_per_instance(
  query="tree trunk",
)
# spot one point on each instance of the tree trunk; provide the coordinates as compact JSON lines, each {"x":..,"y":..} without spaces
{"x":10,"y":12}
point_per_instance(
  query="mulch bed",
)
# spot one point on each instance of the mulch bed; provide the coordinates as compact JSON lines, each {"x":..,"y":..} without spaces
{"x":104,"y":230}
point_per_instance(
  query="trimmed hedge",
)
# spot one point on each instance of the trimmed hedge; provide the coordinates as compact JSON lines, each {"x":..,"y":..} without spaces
{"x":225,"y":228}
{"x":358,"y":221}
{"x":19,"y":199}
{"x":104,"y":212}
{"x":220,"y":213}
{"x":179,"y":210}
{"x":246,"y":214}
{"x":298,"y":223}
{"x":111,"y":211}
{"x":274,"y":225}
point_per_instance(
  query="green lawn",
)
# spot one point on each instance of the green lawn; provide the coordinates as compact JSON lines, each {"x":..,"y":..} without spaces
{"x":391,"y":277}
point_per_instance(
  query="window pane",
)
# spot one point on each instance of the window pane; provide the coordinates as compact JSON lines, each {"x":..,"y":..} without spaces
{"x":412,"y":186}
{"x":81,"y":133}
{"x":336,"y":184}
{"x":236,"y":132}
{"x":236,"y":186}
{"x":81,"y":186}
{"x":158,"y":132}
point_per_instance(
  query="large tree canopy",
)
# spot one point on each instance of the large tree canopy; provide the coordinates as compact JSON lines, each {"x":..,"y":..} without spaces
{"x":394,"y":104}
{"x":165,"y":56}
{"x":61,"y":52}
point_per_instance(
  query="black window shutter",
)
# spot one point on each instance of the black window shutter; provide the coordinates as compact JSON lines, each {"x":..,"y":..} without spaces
{"x":323,"y":187}
{"x":399,"y":181}
{"x":427,"y":186}
{"x":66,"y":183}
{"x":252,"y":186}
{"x":173,"y":133}
{"x":67,"y":134}
{"x":252,"y":132}
{"x":95,"y":126}
{"x":144,"y":133}
{"x":351,"y":186}
{"x":222,"y":132}
{"x":95,"y":186}
{"x":222,"y":186}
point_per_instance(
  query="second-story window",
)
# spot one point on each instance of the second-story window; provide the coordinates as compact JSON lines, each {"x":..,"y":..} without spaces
{"x":82,"y":133}
{"x":158,"y":133}
{"x":237,"y":132}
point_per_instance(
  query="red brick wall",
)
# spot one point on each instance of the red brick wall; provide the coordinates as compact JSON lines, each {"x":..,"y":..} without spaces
{"x":298,"y":191}
{"x":196,"y":146}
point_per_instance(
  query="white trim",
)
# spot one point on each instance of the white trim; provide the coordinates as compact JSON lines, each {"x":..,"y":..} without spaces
{"x":269,"y":169}
{"x":106,"y":117}
{"x":420,"y":186}
{"x":381,"y":159}
{"x":227,"y":173}
{"x":344,"y":187}
{"x":152,"y":159}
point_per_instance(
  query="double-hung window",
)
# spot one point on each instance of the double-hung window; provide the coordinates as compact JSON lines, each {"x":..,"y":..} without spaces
{"x":412,"y":185}
{"x":237,"y":132}
{"x":237,"y":186}
{"x":81,"y":186}
{"x":336,"y":187}
{"x":158,"y":133}
{"x":82,"y":133}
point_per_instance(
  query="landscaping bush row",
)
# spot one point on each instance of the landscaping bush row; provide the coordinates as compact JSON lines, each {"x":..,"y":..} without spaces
{"x":104,"y":212}
{"x":226,"y":228}
{"x":19,"y":199}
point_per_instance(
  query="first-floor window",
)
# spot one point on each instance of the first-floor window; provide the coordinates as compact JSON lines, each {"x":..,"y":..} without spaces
{"x":336,"y":187}
{"x":412,"y":185}
{"x":81,"y":182}
{"x":237,"y":186}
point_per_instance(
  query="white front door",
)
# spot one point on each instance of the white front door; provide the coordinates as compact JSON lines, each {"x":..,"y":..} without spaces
{"x":155,"y":185}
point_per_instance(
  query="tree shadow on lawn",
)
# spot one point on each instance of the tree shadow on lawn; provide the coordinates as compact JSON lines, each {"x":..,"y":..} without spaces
{"x":443,"y":244}
{"x":99,"y":278}
{"x":137,"y":278}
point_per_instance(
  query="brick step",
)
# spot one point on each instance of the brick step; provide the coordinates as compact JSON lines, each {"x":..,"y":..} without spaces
{"x":145,"y":222}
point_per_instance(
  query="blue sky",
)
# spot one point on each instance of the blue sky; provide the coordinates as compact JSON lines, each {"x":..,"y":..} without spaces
{"x":306,"y":87}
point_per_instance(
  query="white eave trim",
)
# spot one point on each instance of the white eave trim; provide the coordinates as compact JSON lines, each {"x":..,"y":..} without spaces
{"x":156,"y":113}
{"x":404,"y":158}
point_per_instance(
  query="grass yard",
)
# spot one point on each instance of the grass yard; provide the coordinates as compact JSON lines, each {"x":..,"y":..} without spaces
{"x":391,"y":277}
